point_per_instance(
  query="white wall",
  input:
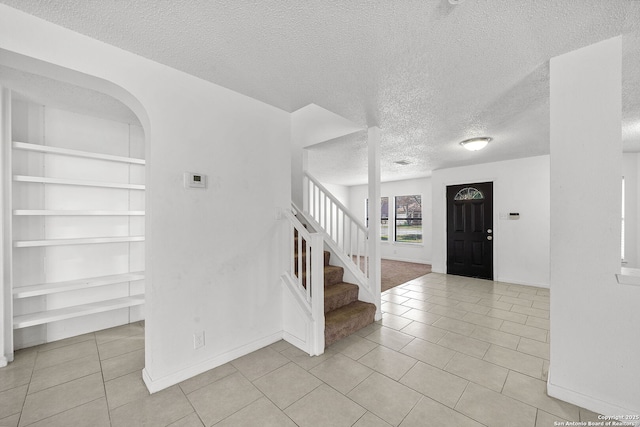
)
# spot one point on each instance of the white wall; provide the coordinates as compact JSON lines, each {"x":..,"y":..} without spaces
{"x":595,"y":333}
{"x":521,"y":247}
{"x":211,"y":254}
{"x":630,"y":163}
{"x":341,"y":192}
{"x":410,"y":252}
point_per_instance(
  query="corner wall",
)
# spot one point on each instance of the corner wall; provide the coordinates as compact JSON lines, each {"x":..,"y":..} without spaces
{"x":521,"y":247}
{"x":595,"y":322}
{"x":211,"y":255}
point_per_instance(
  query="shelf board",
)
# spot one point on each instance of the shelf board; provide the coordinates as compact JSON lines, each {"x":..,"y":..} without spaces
{"x":81,"y":241}
{"x":63,"y":181}
{"x":33,"y":319}
{"x":73,"y":285}
{"x":46,"y":212}
{"x":75,"y":153}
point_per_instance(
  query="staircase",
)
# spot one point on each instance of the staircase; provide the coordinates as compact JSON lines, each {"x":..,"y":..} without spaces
{"x":344,"y":313}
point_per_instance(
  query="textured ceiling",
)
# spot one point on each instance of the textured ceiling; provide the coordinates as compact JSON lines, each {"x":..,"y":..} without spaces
{"x":427,"y":72}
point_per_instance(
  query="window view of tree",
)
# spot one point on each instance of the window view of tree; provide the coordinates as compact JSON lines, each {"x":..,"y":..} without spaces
{"x":408,"y":220}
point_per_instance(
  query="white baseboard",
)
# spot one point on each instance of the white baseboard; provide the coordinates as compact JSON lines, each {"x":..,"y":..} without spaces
{"x":156,"y":384}
{"x":588,"y":402}
{"x":295,"y":341}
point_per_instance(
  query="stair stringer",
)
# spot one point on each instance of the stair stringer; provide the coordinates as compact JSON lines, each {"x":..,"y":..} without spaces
{"x":298,"y":326}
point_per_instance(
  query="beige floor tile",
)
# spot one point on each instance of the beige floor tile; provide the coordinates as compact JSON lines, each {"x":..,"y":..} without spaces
{"x":443,"y":301}
{"x":120,"y":346}
{"x":482,"y":320}
{"x":63,"y":397}
{"x":230,"y":394}
{"x":421,"y":316}
{"x":191,"y":420}
{"x":391,"y":338}
{"x":388,"y":362}
{"x":313,"y":409}
{"x":473,"y":307}
{"x":524,"y":331}
{"x":397,"y":299}
{"x":530,"y":290}
{"x":501,"y":305}
{"x":92,"y":414}
{"x":370,"y":420}
{"x":261,"y":362}
{"x":514,"y":360}
{"x":541,"y":305}
{"x":529,"y":311}
{"x":123,"y":365}
{"x":385,"y":398}
{"x":534,"y":392}
{"x":478,"y":371}
{"x":424,"y":331}
{"x":419,"y":305}
{"x":64,"y":354}
{"x":394,"y":322}
{"x":435,"y":383}
{"x":368,"y":330}
{"x":437,"y":415}
{"x":205,"y":378}
{"x":65,"y":342}
{"x":353,"y":346}
{"x":471,"y":346}
{"x":287,"y":384}
{"x":12,"y":400}
{"x":507,"y":315}
{"x":534,"y":348}
{"x":10,"y":421}
{"x":516,"y":301}
{"x":12,"y":376}
{"x":158,"y":409}
{"x":119,"y":332}
{"x":303,"y":359}
{"x":261,"y":413}
{"x":125,"y":389}
{"x":342,"y":373}
{"x":454,"y":325}
{"x":421,"y":296}
{"x":493,"y":336}
{"x":494,"y":409}
{"x":538,"y":322}
{"x":545,"y":419}
{"x":280,"y":346}
{"x":586,"y":415}
{"x":392,"y":308}
{"x":451,"y":312}
{"x":64,"y":372}
{"x":427,"y":352}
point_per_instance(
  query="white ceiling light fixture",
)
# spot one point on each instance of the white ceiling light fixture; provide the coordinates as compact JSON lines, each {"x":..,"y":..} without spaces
{"x":402,"y":162}
{"x":455,"y":1}
{"x":475,"y":144}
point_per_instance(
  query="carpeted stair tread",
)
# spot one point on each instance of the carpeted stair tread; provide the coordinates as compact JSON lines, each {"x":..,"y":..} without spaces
{"x":338,"y":295}
{"x":332,"y":275}
{"x":345,"y":320}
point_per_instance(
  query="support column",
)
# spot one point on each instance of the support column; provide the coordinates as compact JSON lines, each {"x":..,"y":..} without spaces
{"x":373,"y":140}
{"x":6,"y":300}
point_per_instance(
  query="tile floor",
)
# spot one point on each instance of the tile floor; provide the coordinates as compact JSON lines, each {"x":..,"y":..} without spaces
{"x":449,"y":351}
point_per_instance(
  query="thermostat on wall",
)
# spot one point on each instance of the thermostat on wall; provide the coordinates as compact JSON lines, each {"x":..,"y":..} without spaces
{"x":195,"y":180}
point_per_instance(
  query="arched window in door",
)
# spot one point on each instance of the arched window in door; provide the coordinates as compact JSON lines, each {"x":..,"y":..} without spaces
{"x":469,"y":193}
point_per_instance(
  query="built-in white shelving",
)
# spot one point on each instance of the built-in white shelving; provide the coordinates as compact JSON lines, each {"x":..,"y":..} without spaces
{"x":74,"y":285}
{"x":75,"y":153}
{"x":42,"y":212}
{"x":80,"y":182}
{"x":55,"y":315}
{"x":82,"y":241}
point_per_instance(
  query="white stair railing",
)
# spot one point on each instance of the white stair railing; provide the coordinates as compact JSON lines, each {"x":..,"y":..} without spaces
{"x":344,"y":233}
{"x":304,"y":277}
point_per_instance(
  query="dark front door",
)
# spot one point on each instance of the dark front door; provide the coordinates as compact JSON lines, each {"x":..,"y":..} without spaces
{"x":470,"y":230}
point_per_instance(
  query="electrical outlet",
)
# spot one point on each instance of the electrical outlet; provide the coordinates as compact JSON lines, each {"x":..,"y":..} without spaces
{"x":198,"y":340}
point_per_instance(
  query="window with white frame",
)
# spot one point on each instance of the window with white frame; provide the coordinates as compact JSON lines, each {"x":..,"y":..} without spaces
{"x":408,"y":219}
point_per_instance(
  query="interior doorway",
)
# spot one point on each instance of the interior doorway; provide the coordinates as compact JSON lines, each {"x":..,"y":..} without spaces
{"x":470,"y":234}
